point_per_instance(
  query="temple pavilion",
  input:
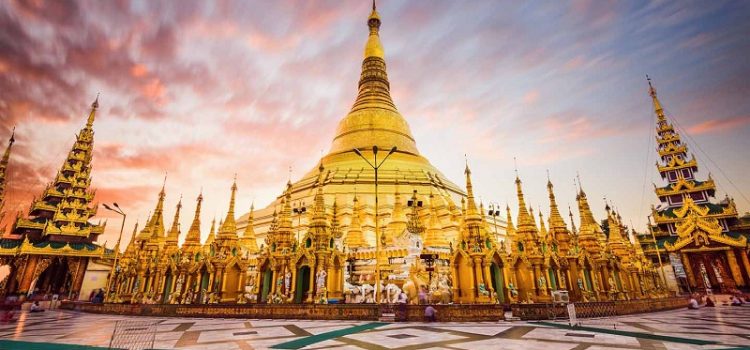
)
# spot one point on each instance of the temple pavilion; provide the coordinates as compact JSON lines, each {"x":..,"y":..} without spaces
{"x":704,"y":239}
{"x":49,"y":249}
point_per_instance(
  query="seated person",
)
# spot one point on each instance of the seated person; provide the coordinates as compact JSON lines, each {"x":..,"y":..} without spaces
{"x":35,"y":307}
{"x":402,"y":298}
{"x":429,"y":313}
{"x":709,"y":302}
{"x":693,"y":304}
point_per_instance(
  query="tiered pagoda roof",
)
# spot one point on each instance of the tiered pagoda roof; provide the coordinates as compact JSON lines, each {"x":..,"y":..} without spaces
{"x":62,"y":212}
{"x":683,"y":188}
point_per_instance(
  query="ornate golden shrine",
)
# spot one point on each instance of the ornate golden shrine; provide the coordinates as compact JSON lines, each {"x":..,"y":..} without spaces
{"x":709,"y":239}
{"x":48,"y":250}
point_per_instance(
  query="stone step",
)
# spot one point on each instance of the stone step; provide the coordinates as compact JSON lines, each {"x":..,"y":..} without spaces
{"x":387,"y":317}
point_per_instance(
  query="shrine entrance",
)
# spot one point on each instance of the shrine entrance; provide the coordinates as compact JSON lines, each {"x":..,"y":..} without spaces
{"x":303,"y":283}
{"x":711,"y":271}
{"x":232,"y":285}
{"x":167,"y":287}
{"x":265,"y":282}
{"x":56,"y":278}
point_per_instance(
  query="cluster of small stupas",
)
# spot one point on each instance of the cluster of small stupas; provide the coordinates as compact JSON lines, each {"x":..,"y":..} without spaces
{"x":355,"y":244}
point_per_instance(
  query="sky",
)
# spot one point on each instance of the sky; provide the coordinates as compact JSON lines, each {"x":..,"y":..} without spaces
{"x":202,"y":90}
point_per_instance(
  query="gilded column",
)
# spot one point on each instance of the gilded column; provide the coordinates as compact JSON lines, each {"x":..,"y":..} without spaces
{"x":293,"y":282}
{"x":688,"y":270}
{"x":478,"y":273}
{"x":735,"y":267}
{"x":273,"y":282}
{"x":488,"y":278}
{"x":472,"y":286}
{"x":311,"y":290}
{"x":457,"y":287}
{"x":745,"y":262}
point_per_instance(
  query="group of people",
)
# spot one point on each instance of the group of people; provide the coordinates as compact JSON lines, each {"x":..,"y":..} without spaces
{"x":701,"y":300}
{"x":97,"y":296}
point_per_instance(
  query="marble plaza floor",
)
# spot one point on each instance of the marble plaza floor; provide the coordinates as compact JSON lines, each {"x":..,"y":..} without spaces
{"x":708,"y":328}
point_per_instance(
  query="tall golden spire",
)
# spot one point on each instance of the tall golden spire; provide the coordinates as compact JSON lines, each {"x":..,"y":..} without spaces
{"x":248,"y":239}
{"x":354,"y":237}
{"x":471,"y":206}
{"x":542,"y":227}
{"x":657,"y":105}
{"x":510,"y":229}
{"x":572,"y":222}
{"x":4,"y":170}
{"x":374,"y":48}
{"x":556,"y":221}
{"x":211,"y":233}
{"x":373,"y":118}
{"x":174,"y":232}
{"x":284,"y":233}
{"x":586,"y":216}
{"x":157,"y":220}
{"x":92,"y":114}
{"x":525,"y":220}
{"x":228,"y":228}
{"x":319,"y":208}
{"x":194,"y":234}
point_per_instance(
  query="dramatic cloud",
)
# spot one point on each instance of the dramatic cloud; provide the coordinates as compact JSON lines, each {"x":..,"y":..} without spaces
{"x":198,"y":91}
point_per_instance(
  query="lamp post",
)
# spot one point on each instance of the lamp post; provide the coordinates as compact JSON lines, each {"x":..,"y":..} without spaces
{"x":658,"y":254}
{"x":375,"y":166}
{"x":117,"y":210}
{"x":494,"y":212}
{"x":299,"y":210}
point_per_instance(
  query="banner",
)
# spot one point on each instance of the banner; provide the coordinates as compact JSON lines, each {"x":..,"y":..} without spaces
{"x":679,"y":269}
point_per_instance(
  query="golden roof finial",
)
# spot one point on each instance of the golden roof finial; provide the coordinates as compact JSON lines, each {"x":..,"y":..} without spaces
{"x":657,"y":105}
{"x":92,"y":114}
{"x":228,"y":227}
{"x":174,"y":231}
{"x":194,"y":234}
{"x":471,"y":206}
{"x":555,"y":219}
{"x":374,"y":48}
{"x":4,"y":165}
{"x":132,"y":236}
{"x":248,"y":240}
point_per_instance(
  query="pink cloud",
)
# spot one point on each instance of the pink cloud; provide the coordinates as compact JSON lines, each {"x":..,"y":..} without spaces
{"x":719,"y":125}
{"x":531,"y":97}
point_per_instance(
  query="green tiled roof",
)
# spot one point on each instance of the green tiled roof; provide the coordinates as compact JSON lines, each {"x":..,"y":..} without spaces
{"x":712,"y":209}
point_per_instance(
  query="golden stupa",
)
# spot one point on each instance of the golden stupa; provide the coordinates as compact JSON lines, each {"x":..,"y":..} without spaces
{"x":373,"y":120}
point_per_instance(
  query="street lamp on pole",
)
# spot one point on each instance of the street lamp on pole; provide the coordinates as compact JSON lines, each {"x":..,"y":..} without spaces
{"x":378,"y":236}
{"x":117,"y":210}
{"x":658,"y":254}
{"x":495,"y":212}
{"x":299,"y":210}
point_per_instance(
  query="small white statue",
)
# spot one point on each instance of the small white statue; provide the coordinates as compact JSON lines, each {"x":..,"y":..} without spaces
{"x":320,"y":279}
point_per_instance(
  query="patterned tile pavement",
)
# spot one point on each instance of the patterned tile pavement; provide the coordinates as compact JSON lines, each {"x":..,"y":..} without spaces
{"x":728,"y":327}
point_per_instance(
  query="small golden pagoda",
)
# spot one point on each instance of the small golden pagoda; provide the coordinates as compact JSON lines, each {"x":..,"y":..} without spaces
{"x":705,"y":237}
{"x":48,"y":250}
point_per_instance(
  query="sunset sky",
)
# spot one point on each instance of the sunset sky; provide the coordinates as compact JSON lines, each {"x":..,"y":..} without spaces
{"x":202,"y":90}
